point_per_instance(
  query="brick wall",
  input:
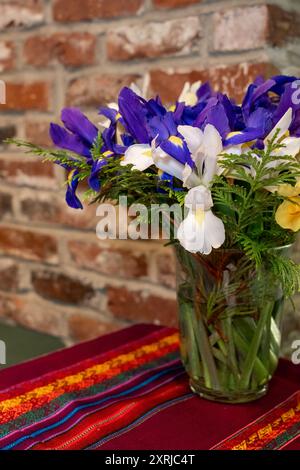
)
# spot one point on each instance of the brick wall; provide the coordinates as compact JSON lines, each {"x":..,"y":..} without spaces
{"x":54,"y":274}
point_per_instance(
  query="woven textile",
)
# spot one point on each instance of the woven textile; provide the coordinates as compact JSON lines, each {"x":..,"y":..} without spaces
{"x":128,"y":390}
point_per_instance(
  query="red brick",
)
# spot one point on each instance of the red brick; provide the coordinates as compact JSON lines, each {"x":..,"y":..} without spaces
{"x":263,"y":23}
{"x":77,"y":10}
{"x":46,"y":208}
{"x":9,"y":274}
{"x":7,"y":55}
{"x":109,"y":260}
{"x":60,"y":287}
{"x":282,"y":25}
{"x":166,"y":267}
{"x":37,"y":132}
{"x":6,"y":132}
{"x":21,"y":13}
{"x":229,"y":28}
{"x":27,"y":244}
{"x":148,"y":40}
{"x":27,"y":171}
{"x":27,"y":96}
{"x":141,"y":306}
{"x":232,"y":79}
{"x":40,"y":317}
{"x":5,"y":204}
{"x":83,"y":327}
{"x":34,"y":313}
{"x":8,"y":305}
{"x":70,"y":49}
{"x":174,"y":3}
{"x":97,"y":90}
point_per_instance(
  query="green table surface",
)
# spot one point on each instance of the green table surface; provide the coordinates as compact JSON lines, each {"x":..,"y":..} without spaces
{"x":22,"y":344}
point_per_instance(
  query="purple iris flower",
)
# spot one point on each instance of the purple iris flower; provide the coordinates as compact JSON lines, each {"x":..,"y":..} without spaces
{"x":287,"y":101}
{"x":169,"y":181}
{"x":109,"y":113}
{"x":210,"y":103}
{"x":280,"y":83}
{"x":134,"y":113}
{"x":295,"y":126}
{"x":188,"y":114}
{"x":133,"y":117}
{"x":164,"y":130}
{"x":109,"y":140}
{"x":255,"y":91}
{"x":94,"y":180}
{"x":77,"y":135}
{"x":265,"y":102}
{"x":142,"y":121}
{"x":204,"y":92}
{"x":233,"y":112}
{"x":155,"y":107}
{"x":259,"y":124}
{"x":127,"y":140}
{"x":178,"y":113}
{"x":109,"y":134}
{"x":148,"y":120}
{"x":72,"y":184}
{"x":218,"y":112}
{"x":217,"y":116}
{"x":258,"y":96}
{"x":109,"y":150}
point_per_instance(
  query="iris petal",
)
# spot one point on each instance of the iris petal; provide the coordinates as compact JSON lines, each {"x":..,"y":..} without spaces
{"x":65,"y":140}
{"x":94,"y":181}
{"x":218,"y":118}
{"x":133,"y":111}
{"x":79,"y":124}
{"x":71,"y":198}
{"x":178,"y":150}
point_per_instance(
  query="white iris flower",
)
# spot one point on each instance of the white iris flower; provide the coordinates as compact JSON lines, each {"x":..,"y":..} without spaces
{"x":291,"y":145}
{"x":142,"y":156}
{"x":188,"y":94}
{"x":201,"y":230}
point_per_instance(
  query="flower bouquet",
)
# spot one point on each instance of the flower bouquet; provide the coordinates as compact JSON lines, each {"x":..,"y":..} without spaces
{"x":232,"y":173}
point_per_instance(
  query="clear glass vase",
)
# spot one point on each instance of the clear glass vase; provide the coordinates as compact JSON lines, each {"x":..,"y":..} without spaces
{"x":230,"y":321}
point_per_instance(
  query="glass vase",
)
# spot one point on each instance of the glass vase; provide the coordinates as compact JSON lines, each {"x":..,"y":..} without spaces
{"x":230,"y":321}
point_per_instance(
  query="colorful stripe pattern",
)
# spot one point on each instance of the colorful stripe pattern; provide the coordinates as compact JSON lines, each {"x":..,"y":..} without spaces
{"x":85,"y":404}
{"x":95,"y":400}
{"x":272,"y":431}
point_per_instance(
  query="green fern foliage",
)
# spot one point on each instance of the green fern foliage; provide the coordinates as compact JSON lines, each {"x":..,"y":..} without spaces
{"x":245,"y":197}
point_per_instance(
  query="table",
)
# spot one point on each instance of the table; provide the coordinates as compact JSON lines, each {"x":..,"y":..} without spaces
{"x":29,"y":343}
{"x":128,"y":390}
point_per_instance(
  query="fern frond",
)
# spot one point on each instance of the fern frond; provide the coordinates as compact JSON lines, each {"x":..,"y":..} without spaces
{"x":62,"y":157}
{"x":96,"y":147}
{"x":287,"y":271}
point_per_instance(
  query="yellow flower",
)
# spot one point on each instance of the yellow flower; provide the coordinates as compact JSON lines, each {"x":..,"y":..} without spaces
{"x":287,"y":190}
{"x":288,"y":213}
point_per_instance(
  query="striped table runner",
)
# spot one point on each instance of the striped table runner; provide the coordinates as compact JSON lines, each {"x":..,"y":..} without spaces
{"x":127,"y":390}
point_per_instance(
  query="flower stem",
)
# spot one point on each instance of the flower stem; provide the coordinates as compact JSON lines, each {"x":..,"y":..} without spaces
{"x":227,"y":325}
{"x":258,"y":368}
{"x":193,"y":359}
{"x":210,"y":370}
{"x":254,"y":346}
